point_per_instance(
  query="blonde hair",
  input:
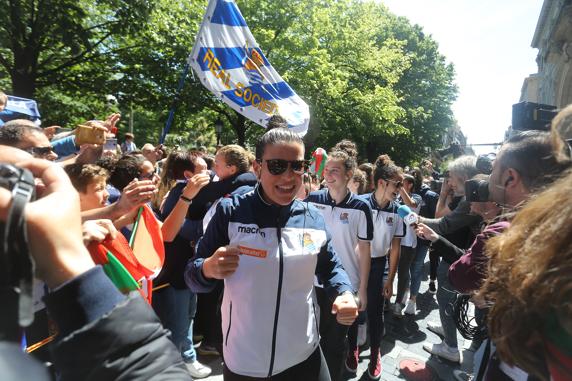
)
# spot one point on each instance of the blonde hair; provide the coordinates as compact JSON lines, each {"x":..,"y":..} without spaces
{"x":237,"y":156}
{"x":529,"y":278}
{"x":360,"y":178}
{"x":561,"y":130}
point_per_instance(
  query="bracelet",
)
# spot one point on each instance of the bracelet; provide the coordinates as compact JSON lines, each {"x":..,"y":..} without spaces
{"x":186,"y":199}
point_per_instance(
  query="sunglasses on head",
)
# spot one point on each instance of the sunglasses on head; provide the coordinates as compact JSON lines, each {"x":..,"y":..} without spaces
{"x":279,"y":166}
{"x":40,"y":151}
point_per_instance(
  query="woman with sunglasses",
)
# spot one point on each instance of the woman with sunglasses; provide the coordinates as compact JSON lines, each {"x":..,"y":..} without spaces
{"x":387,"y":233}
{"x":267,"y":247}
{"x":349,"y":219}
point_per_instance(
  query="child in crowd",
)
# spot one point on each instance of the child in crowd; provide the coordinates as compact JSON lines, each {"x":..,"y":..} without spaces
{"x":90,"y":181}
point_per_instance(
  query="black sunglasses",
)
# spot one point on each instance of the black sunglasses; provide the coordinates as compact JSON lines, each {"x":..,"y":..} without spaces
{"x":40,"y":151}
{"x":398,"y":184}
{"x":279,"y":166}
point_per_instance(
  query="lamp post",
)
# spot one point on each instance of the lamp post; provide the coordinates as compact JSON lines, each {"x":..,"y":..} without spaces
{"x":218,"y":129}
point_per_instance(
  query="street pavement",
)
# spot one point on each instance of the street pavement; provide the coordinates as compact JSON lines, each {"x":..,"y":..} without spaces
{"x":402,"y":343}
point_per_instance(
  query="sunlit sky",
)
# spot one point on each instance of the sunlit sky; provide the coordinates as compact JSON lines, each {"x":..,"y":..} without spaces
{"x":488,"y":41}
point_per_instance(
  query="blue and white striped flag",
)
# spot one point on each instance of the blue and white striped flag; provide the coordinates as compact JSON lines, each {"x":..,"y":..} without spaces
{"x":230,"y":64}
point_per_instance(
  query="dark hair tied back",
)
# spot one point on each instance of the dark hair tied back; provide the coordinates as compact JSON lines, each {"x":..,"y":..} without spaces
{"x":275,"y":136}
{"x":348,"y":147}
{"x":385,"y":169}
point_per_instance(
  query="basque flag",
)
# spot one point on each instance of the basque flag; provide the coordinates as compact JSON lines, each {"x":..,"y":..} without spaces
{"x":231,"y":65}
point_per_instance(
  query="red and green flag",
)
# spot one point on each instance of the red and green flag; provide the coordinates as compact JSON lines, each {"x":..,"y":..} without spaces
{"x":120,"y":275}
{"x":318,"y":162}
{"x":133,"y":265}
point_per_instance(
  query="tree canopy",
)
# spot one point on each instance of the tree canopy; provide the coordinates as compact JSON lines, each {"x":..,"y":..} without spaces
{"x":366,"y":74}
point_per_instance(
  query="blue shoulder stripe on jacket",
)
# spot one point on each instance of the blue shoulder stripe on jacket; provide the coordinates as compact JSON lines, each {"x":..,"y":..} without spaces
{"x":243,"y":209}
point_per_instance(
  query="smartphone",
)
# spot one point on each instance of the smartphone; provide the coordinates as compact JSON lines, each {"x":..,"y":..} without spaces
{"x":110,"y":144}
{"x":90,"y":135}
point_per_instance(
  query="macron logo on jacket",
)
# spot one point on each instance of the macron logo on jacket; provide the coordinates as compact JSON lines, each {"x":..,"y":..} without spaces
{"x":251,"y":230}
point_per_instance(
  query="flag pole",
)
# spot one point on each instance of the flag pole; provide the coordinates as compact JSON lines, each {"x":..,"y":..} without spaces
{"x":182,"y":80}
{"x":175,"y":101}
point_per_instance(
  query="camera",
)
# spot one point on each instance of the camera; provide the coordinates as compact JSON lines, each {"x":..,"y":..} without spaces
{"x":485,"y":163}
{"x":436,"y":185}
{"x":477,"y":190}
{"x":12,"y":177}
{"x":16,"y":265}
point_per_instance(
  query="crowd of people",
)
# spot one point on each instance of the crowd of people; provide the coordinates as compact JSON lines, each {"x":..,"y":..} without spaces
{"x":275,"y":268}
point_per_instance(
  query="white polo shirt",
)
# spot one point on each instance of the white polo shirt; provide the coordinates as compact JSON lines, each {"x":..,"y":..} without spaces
{"x":348,"y":222}
{"x":410,"y":239}
{"x":386,"y":225}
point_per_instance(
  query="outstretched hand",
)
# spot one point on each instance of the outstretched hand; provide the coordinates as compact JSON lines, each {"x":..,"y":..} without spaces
{"x":425,"y":232}
{"x":136,"y":194}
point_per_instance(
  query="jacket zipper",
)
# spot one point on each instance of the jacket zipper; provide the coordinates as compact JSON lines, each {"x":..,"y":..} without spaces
{"x":229,"y":324}
{"x":278,"y":294}
{"x":316,"y":320}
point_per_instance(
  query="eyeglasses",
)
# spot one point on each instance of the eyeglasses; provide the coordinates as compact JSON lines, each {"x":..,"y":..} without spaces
{"x":148,"y":176}
{"x":279,"y":166}
{"x":40,"y":151}
{"x":398,"y":184}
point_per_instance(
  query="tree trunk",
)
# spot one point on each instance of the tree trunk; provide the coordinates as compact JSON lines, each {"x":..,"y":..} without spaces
{"x":312,"y":136}
{"x":239,"y":126}
{"x":23,"y":83}
{"x":371,"y":150}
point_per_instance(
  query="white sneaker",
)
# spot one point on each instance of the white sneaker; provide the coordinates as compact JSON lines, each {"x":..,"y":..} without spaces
{"x":435,"y":328}
{"x":405,"y":297}
{"x":410,"y":308}
{"x":397,"y":309}
{"x":444,"y":351}
{"x":198,"y":370}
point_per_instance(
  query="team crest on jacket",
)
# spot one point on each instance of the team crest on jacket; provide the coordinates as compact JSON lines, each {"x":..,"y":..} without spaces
{"x":389,"y":220}
{"x":344,"y":218}
{"x":307,"y":242}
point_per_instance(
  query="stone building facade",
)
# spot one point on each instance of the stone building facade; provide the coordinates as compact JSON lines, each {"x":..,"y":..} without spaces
{"x":552,"y":85}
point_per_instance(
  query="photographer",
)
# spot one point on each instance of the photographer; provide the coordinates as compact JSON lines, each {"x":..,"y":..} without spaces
{"x":459,"y":227}
{"x":102,"y":334}
{"x":526,"y":163}
{"x":455,"y":215}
